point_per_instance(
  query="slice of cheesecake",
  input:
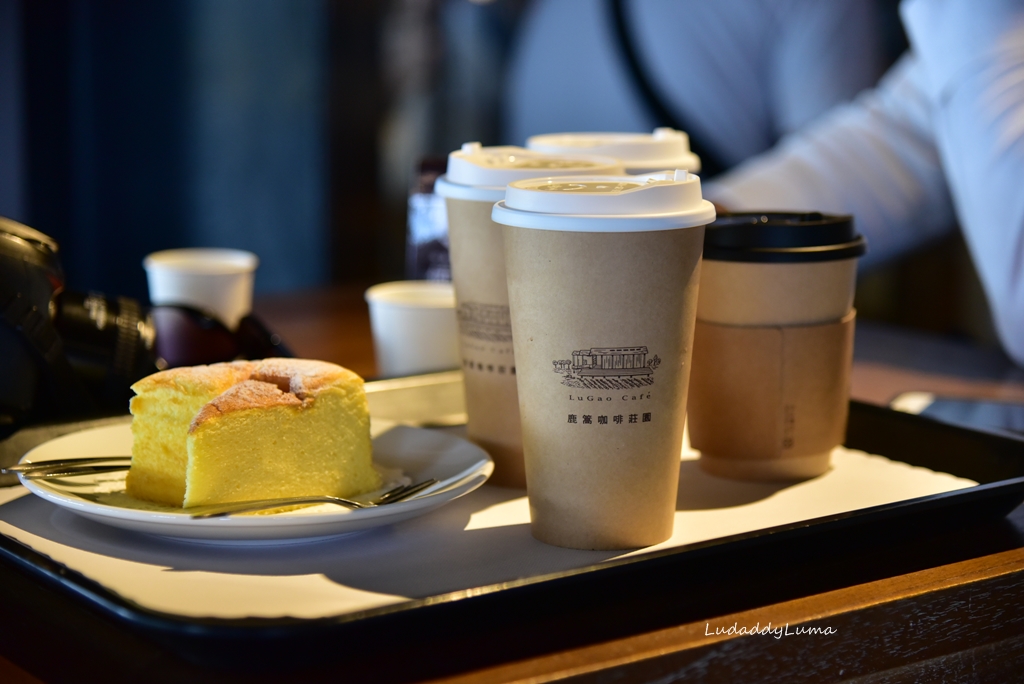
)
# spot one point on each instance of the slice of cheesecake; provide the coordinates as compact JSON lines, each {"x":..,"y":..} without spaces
{"x":163,"y":408}
{"x":295,"y":428}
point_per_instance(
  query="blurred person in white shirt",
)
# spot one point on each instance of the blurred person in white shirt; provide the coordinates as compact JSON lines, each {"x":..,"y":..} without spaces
{"x":939,"y":142}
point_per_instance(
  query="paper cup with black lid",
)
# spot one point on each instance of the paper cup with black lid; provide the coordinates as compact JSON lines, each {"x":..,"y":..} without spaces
{"x":476,"y":178}
{"x":602,"y":282}
{"x":773,"y":346}
{"x":665,"y":148}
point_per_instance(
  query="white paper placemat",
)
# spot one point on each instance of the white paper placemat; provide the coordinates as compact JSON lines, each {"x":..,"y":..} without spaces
{"x":478,"y":540}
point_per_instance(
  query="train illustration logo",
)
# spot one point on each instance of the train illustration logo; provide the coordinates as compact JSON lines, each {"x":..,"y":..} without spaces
{"x":488,"y":322}
{"x":608,"y":368}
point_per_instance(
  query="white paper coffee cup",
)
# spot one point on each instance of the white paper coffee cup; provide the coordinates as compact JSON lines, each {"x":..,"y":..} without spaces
{"x":413,"y":325}
{"x":602,"y":282}
{"x":476,"y":179}
{"x":217,"y":281}
{"x":485,"y":337}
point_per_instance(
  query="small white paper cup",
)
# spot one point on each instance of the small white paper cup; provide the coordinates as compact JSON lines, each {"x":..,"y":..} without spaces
{"x":218,"y":281}
{"x":414,"y":327}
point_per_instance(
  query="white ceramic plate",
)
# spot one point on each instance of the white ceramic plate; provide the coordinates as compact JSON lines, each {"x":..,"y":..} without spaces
{"x":401,"y":452}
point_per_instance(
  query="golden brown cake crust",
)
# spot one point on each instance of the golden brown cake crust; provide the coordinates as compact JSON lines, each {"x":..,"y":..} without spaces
{"x":271,"y":382}
{"x":302,"y":377}
{"x":248,"y":394}
{"x":214,"y":376}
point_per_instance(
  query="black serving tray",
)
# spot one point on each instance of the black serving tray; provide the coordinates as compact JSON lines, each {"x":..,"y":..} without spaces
{"x":466,"y":630}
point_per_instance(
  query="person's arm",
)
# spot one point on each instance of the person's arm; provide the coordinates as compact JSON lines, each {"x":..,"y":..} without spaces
{"x":972,"y":59}
{"x":874,"y":158}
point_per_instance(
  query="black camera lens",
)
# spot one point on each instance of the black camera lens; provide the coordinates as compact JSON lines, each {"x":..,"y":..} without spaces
{"x":109,"y":342}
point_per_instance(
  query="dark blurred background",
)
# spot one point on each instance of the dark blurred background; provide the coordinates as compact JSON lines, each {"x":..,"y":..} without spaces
{"x":291,"y":129}
{"x":129,"y":127}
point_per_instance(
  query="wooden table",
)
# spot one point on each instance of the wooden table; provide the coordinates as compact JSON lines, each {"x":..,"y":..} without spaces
{"x":947,"y":608}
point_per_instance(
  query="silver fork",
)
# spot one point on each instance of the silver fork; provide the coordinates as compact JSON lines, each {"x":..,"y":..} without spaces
{"x":106,"y":464}
{"x":69,"y":466}
{"x":389,"y":497}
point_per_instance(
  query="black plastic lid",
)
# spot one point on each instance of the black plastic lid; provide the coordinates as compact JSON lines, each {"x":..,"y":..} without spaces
{"x":781,"y":237}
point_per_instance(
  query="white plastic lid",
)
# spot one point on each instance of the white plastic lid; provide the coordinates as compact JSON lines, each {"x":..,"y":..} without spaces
{"x":481,"y":173}
{"x":665,"y":148}
{"x":606,"y":204}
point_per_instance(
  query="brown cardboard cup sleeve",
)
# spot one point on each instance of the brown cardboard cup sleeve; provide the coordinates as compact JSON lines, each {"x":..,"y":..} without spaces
{"x":770,"y":402}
